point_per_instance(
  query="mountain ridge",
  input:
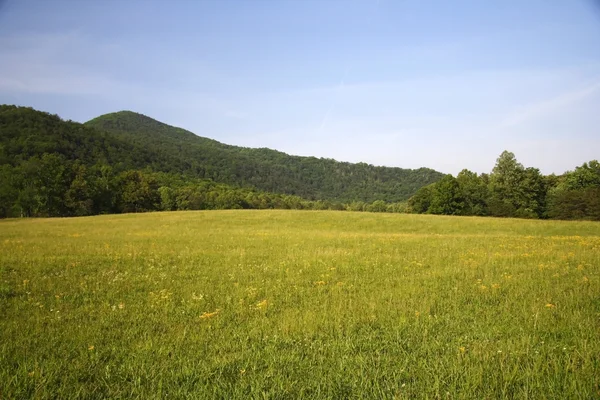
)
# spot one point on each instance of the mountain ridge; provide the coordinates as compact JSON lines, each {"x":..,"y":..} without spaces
{"x":142,"y":116}
{"x":267,"y":169}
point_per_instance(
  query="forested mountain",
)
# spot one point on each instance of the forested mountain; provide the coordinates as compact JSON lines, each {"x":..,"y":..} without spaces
{"x":25,"y":133}
{"x":126,"y":162}
{"x":308,"y":177}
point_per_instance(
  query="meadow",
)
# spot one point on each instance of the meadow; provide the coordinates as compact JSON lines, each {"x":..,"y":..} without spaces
{"x":299,"y":304}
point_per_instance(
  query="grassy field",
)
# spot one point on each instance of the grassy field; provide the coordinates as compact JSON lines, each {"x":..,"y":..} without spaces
{"x":293,"y":304}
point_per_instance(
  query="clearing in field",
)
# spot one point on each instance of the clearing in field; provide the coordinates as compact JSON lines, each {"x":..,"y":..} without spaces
{"x":293,"y":304}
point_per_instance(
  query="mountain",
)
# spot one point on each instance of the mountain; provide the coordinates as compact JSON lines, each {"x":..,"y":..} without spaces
{"x":127,"y":162}
{"x":127,"y":140}
{"x":25,"y":133}
{"x":177,"y":150}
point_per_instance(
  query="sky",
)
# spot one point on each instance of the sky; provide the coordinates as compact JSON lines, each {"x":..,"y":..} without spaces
{"x":440,"y":84}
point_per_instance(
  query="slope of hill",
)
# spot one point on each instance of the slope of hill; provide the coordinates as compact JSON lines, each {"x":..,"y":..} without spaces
{"x":126,"y":140}
{"x":25,"y":133}
{"x":265,"y":169}
{"x":50,"y":167}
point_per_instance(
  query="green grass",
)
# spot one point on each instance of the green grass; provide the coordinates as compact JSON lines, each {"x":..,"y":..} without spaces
{"x":293,"y":304}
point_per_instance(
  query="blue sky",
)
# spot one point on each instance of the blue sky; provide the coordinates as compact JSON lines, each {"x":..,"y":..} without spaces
{"x":442,"y":84}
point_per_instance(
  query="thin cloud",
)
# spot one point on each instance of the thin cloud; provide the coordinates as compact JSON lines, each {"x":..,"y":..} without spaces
{"x":553,"y":105}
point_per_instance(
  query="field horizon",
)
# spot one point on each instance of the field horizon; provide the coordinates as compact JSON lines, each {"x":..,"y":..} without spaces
{"x":299,"y":304}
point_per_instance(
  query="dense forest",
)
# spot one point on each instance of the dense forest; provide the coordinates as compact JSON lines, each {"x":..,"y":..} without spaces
{"x":127,"y":162}
{"x":178,"y":150}
{"x":512,"y":190}
{"x":51,"y":167}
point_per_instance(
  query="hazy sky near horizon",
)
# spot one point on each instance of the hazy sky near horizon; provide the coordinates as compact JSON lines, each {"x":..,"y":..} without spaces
{"x":408,"y":83}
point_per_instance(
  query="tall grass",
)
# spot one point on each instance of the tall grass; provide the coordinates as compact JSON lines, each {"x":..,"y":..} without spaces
{"x":298,"y":304}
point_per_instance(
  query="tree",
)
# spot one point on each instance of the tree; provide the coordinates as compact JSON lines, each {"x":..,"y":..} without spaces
{"x":377,"y":206}
{"x":446,"y":197}
{"x":474,"y":193}
{"x":505,"y":186}
{"x":533,"y":189}
{"x":168,"y":201}
{"x":9,"y":191}
{"x":576,"y":195}
{"x":419,"y":203}
{"x":586,"y":176}
{"x":104,"y":189}
{"x":138,"y":192}
{"x":78,"y":198}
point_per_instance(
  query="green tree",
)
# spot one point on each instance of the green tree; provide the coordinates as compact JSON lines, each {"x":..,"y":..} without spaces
{"x":168,"y":200}
{"x":138,"y":192}
{"x":586,"y":176}
{"x":474,"y":193}
{"x":576,"y":195}
{"x":533,"y":190}
{"x":505,"y":186}
{"x":419,"y":203}
{"x":46,"y":179}
{"x":446,"y":197}
{"x":377,"y":206}
{"x":356,"y":206}
{"x":9,"y":190}
{"x":103,"y":185}
{"x":78,"y":198}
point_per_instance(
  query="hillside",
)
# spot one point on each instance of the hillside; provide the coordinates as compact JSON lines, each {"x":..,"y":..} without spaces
{"x":312,"y":178}
{"x":50,"y":168}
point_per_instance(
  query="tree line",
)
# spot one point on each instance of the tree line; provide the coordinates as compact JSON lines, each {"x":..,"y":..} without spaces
{"x":52,"y":186}
{"x":127,"y":162}
{"x":512,"y":190}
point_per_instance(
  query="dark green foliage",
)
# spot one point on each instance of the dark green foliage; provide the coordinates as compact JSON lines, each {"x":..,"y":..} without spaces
{"x":576,"y":204}
{"x":78,"y":198}
{"x":446,"y":197}
{"x":377,"y":206}
{"x":313,"y":178}
{"x":474,"y":193}
{"x":126,"y":162}
{"x":25,"y":133}
{"x":421,"y":201}
{"x":586,"y":176}
{"x":514,"y":191}
{"x":576,"y":195}
{"x":138,"y":192}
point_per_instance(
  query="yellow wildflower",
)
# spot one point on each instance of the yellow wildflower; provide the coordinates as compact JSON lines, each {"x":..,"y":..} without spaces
{"x":206,"y":315}
{"x":262,"y":304}
{"x":550,"y":305}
